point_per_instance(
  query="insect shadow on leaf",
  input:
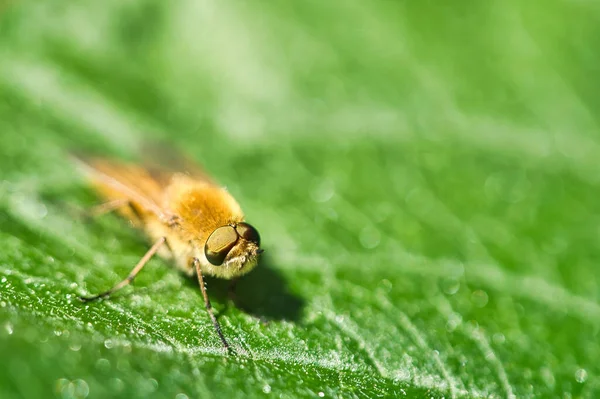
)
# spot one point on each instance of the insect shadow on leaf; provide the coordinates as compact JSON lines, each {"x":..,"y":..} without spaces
{"x":264,"y":293}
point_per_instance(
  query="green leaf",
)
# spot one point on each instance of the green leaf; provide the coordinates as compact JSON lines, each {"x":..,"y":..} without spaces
{"x":424,"y":175}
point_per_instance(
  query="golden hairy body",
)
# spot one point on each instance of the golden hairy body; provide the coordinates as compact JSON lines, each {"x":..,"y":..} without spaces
{"x":192,"y":221}
{"x":185,"y":209}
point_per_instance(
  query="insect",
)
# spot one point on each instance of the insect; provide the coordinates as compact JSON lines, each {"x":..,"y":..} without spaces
{"x":191,"y":221}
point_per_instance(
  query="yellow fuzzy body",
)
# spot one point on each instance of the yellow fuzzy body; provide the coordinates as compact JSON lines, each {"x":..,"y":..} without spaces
{"x":184,"y":208}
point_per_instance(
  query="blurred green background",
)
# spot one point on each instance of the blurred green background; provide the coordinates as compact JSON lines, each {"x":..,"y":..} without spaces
{"x":425,"y":177}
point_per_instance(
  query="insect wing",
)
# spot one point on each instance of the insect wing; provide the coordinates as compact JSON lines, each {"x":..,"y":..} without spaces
{"x":119,"y":180}
{"x":163,"y":162}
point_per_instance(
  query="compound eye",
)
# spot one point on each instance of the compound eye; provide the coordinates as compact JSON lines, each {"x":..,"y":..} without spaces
{"x":219,"y":244}
{"x":248,"y":233}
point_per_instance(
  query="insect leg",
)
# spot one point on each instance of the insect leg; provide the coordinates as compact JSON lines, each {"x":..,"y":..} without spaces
{"x":140,"y":265}
{"x":208,"y":305}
